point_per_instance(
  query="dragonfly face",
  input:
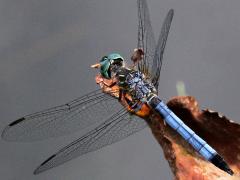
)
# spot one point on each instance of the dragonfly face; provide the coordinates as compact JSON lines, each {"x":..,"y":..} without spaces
{"x":109,"y":64}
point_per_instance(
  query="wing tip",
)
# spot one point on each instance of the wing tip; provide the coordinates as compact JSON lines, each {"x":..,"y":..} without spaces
{"x":39,"y":169}
{"x":36,"y":172}
{"x":16,"y":121}
{"x":171,"y":12}
{"x":5,"y":135}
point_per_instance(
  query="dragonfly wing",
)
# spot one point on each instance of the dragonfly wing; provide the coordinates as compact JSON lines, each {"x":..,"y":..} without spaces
{"x":116,"y":128}
{"x":60,"y":120}
{"x":146,"y":40}
{"x":158,"y":55}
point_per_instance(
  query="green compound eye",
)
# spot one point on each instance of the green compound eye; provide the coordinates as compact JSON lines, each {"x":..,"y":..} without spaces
{"x":107,"y":61}
{"x":104,"y":69}
{"x":104,"y":58}
{"x":115,"y":56}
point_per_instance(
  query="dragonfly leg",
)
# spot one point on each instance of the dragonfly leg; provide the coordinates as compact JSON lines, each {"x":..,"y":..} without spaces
{"x":134,"y":106}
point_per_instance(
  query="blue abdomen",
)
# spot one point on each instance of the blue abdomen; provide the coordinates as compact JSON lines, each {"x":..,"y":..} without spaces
{"x":189,"y":135}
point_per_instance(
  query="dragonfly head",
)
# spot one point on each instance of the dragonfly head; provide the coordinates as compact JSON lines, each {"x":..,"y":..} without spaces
{"x":109,"y":64}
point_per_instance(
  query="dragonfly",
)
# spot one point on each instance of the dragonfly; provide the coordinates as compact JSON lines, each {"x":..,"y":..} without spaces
{"x":119,"y":114}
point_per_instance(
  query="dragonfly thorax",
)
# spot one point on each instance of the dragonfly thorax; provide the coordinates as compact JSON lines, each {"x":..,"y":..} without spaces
{"x":135,"y":84}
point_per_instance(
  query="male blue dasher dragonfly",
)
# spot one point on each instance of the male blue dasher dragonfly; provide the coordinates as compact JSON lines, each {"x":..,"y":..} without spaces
{"x":105,"y":104}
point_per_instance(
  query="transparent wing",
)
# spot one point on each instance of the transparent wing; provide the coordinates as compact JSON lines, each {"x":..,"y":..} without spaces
{"x":146,"y":40}
{"x":77,"y":114}
{"x":152,"y":60}
{"x":158,"y":55}
{"x":116,"y":128}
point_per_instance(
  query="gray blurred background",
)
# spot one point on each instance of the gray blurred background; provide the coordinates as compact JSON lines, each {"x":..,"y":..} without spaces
{"x":47,"y":46}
